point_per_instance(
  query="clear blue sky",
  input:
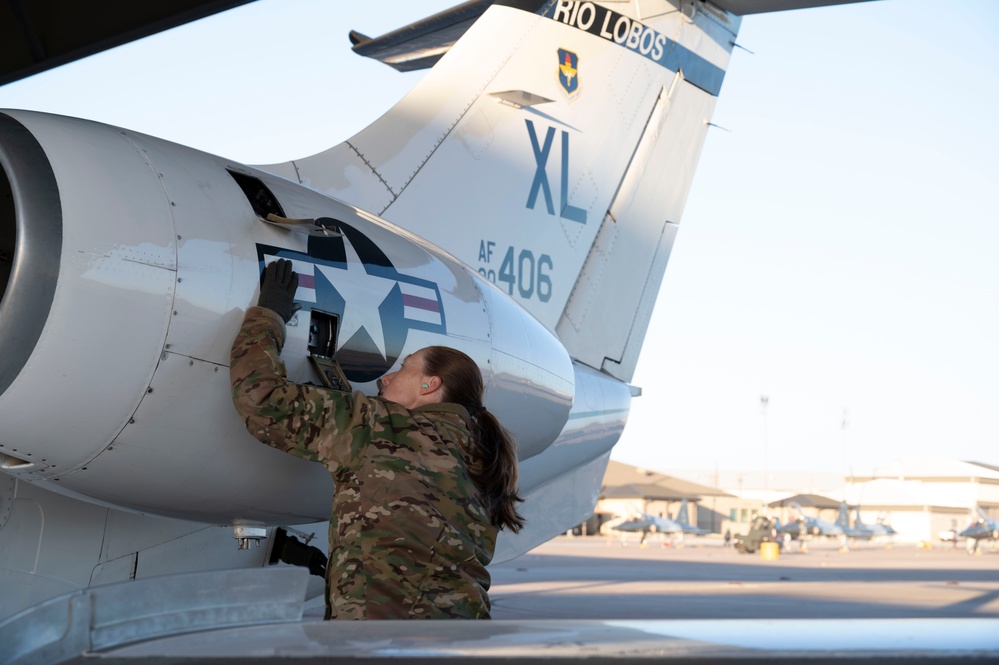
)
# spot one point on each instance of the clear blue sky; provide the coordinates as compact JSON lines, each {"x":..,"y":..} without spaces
{"x":839,"y":247}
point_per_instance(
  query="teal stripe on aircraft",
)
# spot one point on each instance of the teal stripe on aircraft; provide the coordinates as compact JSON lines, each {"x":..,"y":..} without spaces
{"x":638,"y":37}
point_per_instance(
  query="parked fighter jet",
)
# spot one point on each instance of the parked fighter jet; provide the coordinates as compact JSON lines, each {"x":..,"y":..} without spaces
{"x":843,"y":522}
{"x":988,"y":521}
{"x":647,"y":525}
{"x":805,"y":526}
{"x":683,"y":520}
{"x":859,"y":530}
{"x":983,"y":528}
{"x":880,"y":529}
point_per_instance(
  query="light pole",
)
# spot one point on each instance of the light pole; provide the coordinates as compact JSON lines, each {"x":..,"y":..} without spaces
{"x":846,"y":454}
{"x":764,"y":403}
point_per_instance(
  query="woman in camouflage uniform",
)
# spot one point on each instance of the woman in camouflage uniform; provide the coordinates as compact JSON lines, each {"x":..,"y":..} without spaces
{"x":425,"y":475}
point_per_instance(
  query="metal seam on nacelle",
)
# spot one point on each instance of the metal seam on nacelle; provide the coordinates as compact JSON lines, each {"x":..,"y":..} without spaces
{"x":27,"y":298}
{"x":132,"y":419}
{"x":144,"y":155}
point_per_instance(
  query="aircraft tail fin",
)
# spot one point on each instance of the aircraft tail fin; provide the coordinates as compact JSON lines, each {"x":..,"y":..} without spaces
{"x":682,"y":517}
{"x":552,"y":151}
{"x":843,"y":519}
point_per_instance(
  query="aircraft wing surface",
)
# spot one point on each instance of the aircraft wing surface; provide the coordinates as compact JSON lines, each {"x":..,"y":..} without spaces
{"x":42,"y":34}
{"x":744,"y":7}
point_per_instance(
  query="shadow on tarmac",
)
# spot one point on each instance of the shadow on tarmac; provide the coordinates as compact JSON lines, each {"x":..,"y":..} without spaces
{"x":633,"y":583}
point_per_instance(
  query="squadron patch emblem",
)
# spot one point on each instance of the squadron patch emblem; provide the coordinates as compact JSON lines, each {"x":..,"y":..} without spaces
{"x":568,"y":73}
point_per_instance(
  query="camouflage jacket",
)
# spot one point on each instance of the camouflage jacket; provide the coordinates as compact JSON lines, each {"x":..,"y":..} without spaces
{"x":409,"y":533}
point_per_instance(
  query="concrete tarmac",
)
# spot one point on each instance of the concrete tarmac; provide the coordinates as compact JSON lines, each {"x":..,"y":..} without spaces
{"x":596,"y":578}
{"x":572,"y":600}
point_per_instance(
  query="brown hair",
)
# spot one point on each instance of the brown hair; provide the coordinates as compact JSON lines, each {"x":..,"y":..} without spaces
{"x":496,"y":476}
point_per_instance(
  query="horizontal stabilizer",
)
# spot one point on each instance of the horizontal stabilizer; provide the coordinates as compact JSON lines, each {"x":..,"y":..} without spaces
{"x":421,"y":44}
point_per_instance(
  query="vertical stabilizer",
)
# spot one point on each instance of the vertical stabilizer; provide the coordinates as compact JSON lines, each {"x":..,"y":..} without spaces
{"x":682,"y":515}
{"x":843,"y":518}
{"x":553,"y":152}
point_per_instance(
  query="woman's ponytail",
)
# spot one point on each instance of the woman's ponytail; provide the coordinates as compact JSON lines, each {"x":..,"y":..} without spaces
{"x":498,"y":478}
{"x":495,"y":453}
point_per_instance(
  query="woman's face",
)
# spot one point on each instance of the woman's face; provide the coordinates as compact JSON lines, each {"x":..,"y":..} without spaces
{"x":405,"y":386}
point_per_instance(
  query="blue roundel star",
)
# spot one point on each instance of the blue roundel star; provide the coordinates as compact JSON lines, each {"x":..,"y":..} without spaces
{"x":376,"y":305}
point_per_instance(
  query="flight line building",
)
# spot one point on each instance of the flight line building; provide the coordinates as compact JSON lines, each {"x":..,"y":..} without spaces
{"x":921,"y":497}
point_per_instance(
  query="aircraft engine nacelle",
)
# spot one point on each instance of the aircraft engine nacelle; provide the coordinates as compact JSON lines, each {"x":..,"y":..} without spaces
{"x":126,"y":266}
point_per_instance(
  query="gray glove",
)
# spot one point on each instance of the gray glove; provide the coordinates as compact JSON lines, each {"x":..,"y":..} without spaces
{"x":277,"y":290}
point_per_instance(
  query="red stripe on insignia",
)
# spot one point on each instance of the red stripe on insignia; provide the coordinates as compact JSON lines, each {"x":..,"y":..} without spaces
{"x":420,"y":303}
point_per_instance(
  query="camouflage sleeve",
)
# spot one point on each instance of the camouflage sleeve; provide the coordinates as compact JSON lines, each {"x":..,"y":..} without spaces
{"x":310,"y":422}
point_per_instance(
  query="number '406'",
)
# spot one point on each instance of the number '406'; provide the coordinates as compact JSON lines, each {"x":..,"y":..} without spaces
{"x":530,"y":276}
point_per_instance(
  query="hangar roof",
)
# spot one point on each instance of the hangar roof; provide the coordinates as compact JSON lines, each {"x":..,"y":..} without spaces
{"x":626,"y":481}
{"x":933,"y":470}
{"x":807,"y":501}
